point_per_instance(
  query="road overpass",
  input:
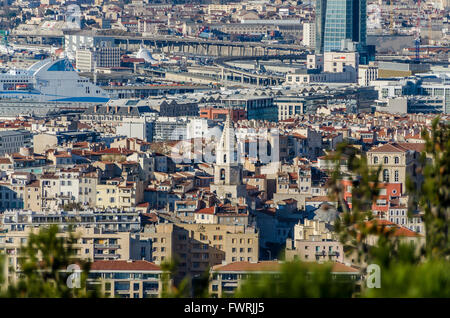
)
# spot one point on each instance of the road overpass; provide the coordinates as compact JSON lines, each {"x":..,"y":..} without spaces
{"x":172,"y":44}
{"x":228,"y":72}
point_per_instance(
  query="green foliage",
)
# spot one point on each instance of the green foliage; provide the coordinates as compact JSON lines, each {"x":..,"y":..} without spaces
{"x":169,"y":290}
{"x":434,"y":195}
{"x":43,"y":262}
{"x":351,"y":226}
{"x":411,"y":280}
{"x":297,"y":280}
{"x":406,"y":271}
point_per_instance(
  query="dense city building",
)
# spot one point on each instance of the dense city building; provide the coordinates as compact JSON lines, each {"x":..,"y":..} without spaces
{"x":203,"y":137}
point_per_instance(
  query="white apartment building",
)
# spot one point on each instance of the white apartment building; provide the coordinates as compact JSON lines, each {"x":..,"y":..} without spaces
{"x":314,"y":61}
{"x":367,"y":73}
{"x":340,"y":62}
{"x":88,"y":59}
{"x":11,"y":141}
{"x":198,"y":128}
{"x":141,"y":128}
{"x":309,"y":35}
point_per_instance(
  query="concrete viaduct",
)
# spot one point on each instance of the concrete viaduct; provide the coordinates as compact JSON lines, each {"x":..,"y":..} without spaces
{"x":173,"y":44}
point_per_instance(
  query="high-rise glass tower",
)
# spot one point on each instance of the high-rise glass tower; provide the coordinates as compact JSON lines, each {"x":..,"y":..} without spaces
{"x":340,"y":20}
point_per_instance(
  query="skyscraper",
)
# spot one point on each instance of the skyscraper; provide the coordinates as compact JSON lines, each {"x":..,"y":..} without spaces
{"x":338,"y":21}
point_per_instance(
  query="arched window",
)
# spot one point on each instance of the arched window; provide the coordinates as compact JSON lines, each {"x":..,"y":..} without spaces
{"x":222,"y":174}
{"x":386,"y":160}
{"x":396,"y":160}
{"x":386,"y":175}
{"x":375,"y":160}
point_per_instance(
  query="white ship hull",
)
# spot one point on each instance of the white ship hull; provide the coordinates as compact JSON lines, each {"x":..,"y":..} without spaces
{"x":50,"y":81}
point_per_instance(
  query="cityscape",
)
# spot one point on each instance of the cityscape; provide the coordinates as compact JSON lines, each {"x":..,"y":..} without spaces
{"x":224,"y":149}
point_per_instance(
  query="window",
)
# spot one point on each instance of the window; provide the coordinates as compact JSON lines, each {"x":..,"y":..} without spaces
{"x":375,"y":160}
{"x":386,"y":160}
{"x":222,"y":174}
{"x":396,"y":176}
{"x":386,"y":175}
{"x":396,"y":160}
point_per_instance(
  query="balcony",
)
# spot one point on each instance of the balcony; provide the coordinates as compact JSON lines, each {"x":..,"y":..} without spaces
{"x":112,"y":246}
{"x":326,"y":253}
{"x":106,"y":256}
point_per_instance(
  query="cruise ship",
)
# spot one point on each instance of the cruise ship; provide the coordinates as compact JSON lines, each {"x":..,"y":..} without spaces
{"x":50,"y":80}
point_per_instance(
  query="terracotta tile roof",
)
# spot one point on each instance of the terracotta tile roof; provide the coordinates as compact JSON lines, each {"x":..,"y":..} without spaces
{"x":398,"y":230}
{"x":322,"y":198}
{"x":289,"y":201}
{"x":388,"y":148}
{"x":124,"y":266}
{"x":116,"y":151}
{"x":149,"y":217}
{"x":400,"y":147}
{"x":209,"y":210}
{"x":249,"y":267}
{"x":419,"y":147}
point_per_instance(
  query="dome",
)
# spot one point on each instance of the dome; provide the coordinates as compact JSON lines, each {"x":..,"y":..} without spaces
{"x":145,"y":54}
{"x":326,"y":213}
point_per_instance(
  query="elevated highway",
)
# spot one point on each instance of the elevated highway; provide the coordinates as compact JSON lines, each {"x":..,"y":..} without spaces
{"x":170,"y":44}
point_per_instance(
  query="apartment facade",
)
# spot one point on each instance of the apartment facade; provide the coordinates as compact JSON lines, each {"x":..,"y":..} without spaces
{"x":314,"y":242}
{"x":226,"y":279}
{"x":200,"y":246}
{"x":91,"y":244}
{"x":89,"y":59}
{"x":309,"y":35}
{"x":12,"y":140}
{"x":126,"y":278}
{"x":398,"y":161}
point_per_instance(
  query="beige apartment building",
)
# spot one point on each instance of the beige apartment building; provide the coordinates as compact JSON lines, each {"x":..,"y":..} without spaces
{"x":260,"y":182}
{"x":90,"y":245}
{"x":120,"y":195}
{"x":200,"y":246}
{"x":226,"y":279}
{"x":126,"y":278}
{"x":32,"y":196}
{"x":314,"y":242}
{"x":398,"y":161}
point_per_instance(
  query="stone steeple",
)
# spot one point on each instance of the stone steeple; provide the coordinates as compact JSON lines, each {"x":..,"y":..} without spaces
{"x":226,"y":151}
{"x":227,"y":170}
